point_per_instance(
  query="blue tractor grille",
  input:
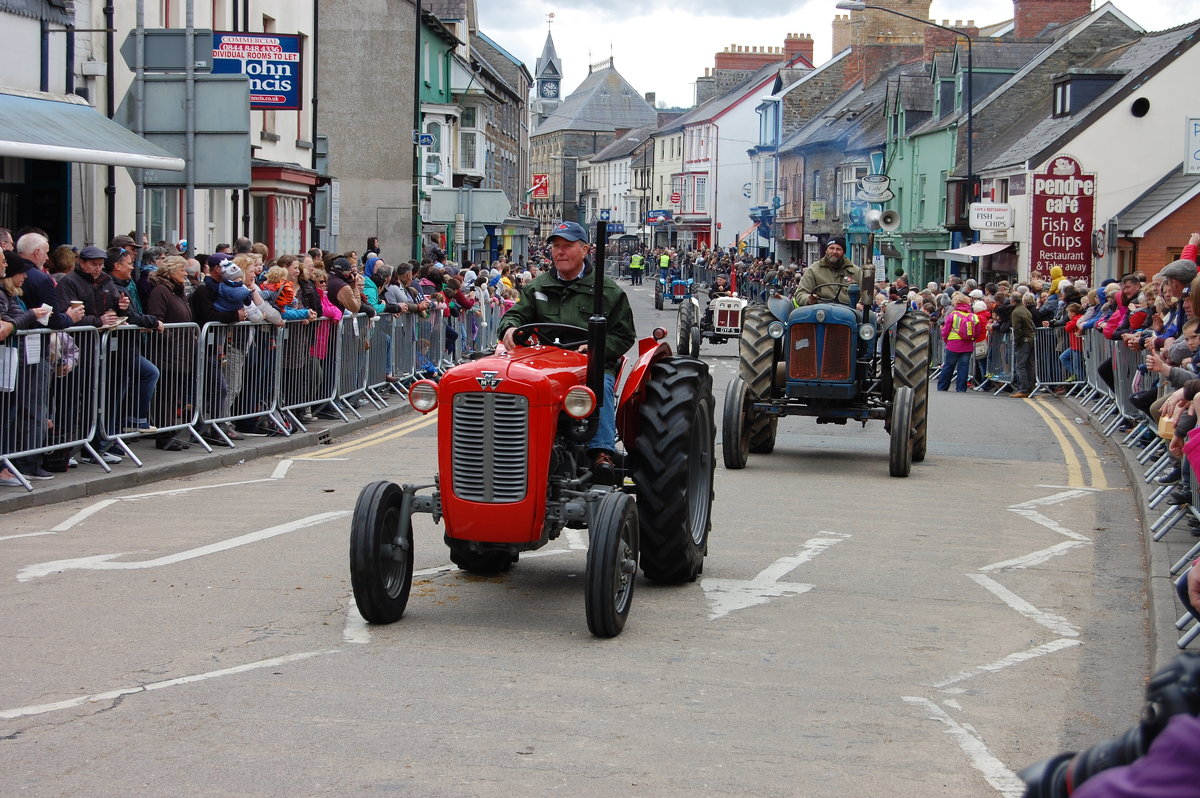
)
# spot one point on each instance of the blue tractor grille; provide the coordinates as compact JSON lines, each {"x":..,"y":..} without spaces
{"x":490,"y":457}
{"x":820,"y":352}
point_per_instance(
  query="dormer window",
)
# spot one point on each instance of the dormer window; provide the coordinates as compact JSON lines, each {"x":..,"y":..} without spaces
{"x":1075,"y":89}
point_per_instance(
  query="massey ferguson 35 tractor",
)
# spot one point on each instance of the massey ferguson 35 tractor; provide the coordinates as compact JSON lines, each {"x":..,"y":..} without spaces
{"x":514,"y":471}
{"x":721,"y":322}
{"x":826,"y":360}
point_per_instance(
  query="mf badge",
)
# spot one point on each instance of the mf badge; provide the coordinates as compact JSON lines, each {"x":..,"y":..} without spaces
{"x":489,"y":381}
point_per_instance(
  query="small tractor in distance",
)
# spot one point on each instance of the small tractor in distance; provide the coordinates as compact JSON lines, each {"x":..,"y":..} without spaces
{"x":673,"y":288}
{"x":513,"y":428}
{"x":834,"y":362}
{"x":719,"y":322}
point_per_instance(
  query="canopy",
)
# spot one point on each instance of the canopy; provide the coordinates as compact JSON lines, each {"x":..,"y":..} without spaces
{"x":971,"y":251}
{"x":59,"y":127}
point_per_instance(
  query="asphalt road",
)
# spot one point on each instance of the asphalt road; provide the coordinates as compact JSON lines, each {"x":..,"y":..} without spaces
{"x":851,"y":634}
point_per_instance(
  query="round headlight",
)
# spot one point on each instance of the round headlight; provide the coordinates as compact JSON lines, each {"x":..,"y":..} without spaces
{"x":579,"y":402}
{"x":423,"y":395}
{"x":775,"y":329}
{"x":866,"y":332}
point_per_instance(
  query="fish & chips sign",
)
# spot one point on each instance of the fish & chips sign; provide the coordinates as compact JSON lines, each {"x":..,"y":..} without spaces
{"x":1064,"y":203}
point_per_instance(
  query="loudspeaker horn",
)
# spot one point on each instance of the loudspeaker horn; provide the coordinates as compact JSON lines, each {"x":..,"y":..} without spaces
{"x":889,"y":220}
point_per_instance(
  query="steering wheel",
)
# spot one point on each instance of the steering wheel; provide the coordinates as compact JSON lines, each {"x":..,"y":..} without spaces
{"x":837,"y":296}
{"x":564,"y":336}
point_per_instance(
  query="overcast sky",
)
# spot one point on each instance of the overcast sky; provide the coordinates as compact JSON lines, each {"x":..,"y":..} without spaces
{"x":663,"y":45}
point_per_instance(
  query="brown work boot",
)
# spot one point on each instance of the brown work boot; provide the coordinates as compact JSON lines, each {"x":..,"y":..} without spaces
{"x":604,"y":471}
{"x":1018,"y":395}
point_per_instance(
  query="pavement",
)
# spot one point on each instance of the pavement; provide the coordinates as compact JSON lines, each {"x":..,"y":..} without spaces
{"x":88,"y":480}
{"x":158,"y":465}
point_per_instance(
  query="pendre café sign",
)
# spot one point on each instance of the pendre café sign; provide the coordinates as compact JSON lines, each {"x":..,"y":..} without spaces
{"x":1064,"y":204}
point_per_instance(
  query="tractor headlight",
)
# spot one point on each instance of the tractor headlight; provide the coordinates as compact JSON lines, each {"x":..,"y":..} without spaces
{"x":866,"y":332}
{"x":423,"y":395}
{"x":579,"y":402}
{"x":775,"y":329}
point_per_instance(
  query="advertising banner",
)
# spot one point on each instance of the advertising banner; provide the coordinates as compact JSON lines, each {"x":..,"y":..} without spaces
{"x":541,"y":186}
{"x":270,"y":60}
{"x":1064,"y":202}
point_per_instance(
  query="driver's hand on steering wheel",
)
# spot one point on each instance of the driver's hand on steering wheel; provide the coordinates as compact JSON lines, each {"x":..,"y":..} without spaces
{"x":509,"y":343}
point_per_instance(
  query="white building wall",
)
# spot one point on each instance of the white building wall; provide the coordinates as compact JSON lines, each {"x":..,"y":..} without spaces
{"x":738,"y":131}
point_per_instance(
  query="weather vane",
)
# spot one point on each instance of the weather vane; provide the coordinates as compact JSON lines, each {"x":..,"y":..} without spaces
{"x":549,"y":19}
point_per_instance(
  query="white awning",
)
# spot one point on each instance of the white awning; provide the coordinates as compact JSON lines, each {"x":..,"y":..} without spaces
{"x":968,"y":253}
{"x":60,"y":127}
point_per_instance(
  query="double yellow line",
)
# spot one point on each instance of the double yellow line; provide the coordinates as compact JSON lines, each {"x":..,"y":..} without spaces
{"x":384,"y":435}
{"x":1061,"y":426}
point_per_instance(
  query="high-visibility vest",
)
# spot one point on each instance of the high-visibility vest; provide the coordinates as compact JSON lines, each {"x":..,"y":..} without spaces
{"x":635,"y":262}
{"x":664,"y":262}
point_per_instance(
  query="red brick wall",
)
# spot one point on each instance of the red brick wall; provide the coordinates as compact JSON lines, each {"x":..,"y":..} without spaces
{"x":1164,"y":242}
{"x":745,"y":60}
{"x":1032,"y":16}
{"x":937,"y":39}
{"x":798,"y":44}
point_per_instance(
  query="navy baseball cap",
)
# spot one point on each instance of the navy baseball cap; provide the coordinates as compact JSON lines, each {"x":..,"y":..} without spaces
{"x":569,"y":231}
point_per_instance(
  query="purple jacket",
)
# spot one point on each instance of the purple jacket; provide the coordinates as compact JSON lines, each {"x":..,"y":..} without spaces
{"x":1170,"y":769}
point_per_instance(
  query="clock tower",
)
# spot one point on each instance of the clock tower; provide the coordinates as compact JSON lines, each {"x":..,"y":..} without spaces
{"x":548,"y":74}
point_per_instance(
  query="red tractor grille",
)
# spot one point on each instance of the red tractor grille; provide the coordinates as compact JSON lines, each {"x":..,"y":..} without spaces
{"x":835,"y":358}
{"x":679,"y":290}
{"x":729,"y":318}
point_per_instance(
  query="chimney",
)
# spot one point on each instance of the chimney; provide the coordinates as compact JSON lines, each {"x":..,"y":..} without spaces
{"x":1033,"y":16}
{"x":798,"y":44}
{"x":650,"y":97}
{"x":841,"y":32}
{"x":937,"y":39}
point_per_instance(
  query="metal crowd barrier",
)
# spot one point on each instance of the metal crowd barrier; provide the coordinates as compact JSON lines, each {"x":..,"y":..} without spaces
{"x":308,"y":352}
{"x":51,"y":404}
{"x":1048,"y":370}
{"x":239,"y":375}
{"x":1000,"y":357}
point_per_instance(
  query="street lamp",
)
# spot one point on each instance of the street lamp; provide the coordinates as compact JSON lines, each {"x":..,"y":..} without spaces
{"x":849,"y":5}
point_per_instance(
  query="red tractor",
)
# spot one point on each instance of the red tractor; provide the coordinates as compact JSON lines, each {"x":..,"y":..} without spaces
{"x":513,"y":471}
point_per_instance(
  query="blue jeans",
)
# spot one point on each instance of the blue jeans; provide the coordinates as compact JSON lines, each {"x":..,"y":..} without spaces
{"x":606,"y":431}
{"x":148,"y":375}
{"x":1073,"y":362}
{"x":955,"y":361}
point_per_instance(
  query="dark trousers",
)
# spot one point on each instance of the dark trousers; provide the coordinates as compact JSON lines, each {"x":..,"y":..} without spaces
{"x":1023,"y":367}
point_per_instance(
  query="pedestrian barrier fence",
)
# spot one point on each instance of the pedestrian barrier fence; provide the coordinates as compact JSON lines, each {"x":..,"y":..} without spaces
{"x":91,"y":391}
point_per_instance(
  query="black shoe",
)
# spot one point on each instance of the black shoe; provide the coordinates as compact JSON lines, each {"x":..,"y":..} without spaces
{"x":1181,"y":495}
{"x":604,"y":472}
{"x":1170,"y":477}
{"x":169,"y":445}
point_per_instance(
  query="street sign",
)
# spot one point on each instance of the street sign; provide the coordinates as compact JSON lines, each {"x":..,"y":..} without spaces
{"x":1191,"y":157}
{"x":165,"y":50}
{"x":676,"y":198}
{"x":990,"y":216}
{"x":605,"y":214}
{"x":425,"y":140}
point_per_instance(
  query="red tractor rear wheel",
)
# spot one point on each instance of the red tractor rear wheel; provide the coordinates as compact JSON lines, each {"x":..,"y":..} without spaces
{"x":672,"y":466}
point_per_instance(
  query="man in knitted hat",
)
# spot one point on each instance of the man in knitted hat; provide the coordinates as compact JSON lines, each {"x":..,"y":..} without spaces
{"x":829,"y":279}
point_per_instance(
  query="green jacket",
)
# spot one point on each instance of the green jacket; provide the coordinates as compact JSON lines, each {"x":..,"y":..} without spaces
{"x":1022,"y":324}
{"x":820,"y":274}
{"x":548,"y":299}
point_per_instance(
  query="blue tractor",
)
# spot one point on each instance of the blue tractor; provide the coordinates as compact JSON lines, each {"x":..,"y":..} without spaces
{"x":672,"y":287}
{"x":836,"y":363}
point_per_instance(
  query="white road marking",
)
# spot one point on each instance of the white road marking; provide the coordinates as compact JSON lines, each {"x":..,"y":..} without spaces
{"x":281,"y":469}
{"x":1049,"y":523}
{"x":39,"y":709}
{"x":1034,"y":558}
{"x":1011,"y":659}
{"x":994,"y":771}
{"x":1052,"y":622}
{"x":1071,"y":487}
{"x":321,"y":460}
{"x":190,"y":489}
{"x":357,"y":630}
{"x":727,"y":595}
{"x":102,"y":562}
{"x":83,"y":515}
{"x":29,"y":535}
{"x":1055,"y":498}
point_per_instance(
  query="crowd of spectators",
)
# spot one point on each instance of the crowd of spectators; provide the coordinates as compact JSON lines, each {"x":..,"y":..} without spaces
{"x":151,"y":383}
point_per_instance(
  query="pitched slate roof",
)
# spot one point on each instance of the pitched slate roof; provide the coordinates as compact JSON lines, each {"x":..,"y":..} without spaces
{"x":1175,"y":185}
{"x":624,"y":145}
{"x":1139,"y":60}
{"x":603,"y":102}
{"x":856,"y":118}
{"x":715,"y":106}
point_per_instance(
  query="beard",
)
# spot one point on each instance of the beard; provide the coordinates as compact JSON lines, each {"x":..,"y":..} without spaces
{"x":832,"y":261}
